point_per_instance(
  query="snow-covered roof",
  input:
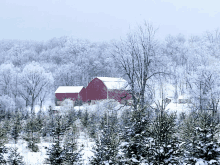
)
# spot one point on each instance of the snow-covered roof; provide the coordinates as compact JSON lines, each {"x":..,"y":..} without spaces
{"x":115,"y":83}
{"x":69,"y":89}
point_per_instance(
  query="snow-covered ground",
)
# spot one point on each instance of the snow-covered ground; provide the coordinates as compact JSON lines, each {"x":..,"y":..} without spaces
{"x":30,"y":158}
{"x":178,"y":108}
{"x":38,"y":158}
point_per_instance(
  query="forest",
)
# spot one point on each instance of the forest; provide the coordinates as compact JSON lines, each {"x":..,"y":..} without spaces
{"x":144,"y":133}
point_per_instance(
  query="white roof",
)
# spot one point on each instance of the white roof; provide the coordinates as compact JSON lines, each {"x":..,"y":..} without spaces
{"x":69,"y":89}
{"x":115,"y":83}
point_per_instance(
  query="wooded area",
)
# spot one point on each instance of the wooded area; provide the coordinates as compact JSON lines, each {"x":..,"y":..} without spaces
{"x":144,"y":133}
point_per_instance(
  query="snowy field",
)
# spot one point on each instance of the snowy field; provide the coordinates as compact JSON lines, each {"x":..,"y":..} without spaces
{"x":38,"y":158}
{"x":83,"y":140}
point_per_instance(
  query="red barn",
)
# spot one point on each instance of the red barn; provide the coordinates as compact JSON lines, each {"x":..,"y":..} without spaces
{"x":72,"y":92}
{"x":108,"y":88}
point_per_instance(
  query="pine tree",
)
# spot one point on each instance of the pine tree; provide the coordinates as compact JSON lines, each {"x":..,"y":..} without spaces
{"x":7,"y":125}
{"x":85,"y":119}
{"x":134,"y":137}
{"x":164,"y":147}
{"x":79,"y":114}
{"x":32,"y":137}
{"x":106,"y":148}
{"x":71,"y":154}
{"x":56,"y":152}
{"x":92,"y":126}
{"x":199,"y":135}
{"x":39,"y":120}
{"x":16,"y":128}
{"x":15,"y":158}
{"x":71,"y":117}
{"x":3,"y":138}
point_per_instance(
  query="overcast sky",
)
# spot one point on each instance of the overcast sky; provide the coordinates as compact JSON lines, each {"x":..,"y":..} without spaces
{"x":104,"y":20}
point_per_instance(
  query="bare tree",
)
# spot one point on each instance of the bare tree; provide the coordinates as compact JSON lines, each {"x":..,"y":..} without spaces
{"x":137,"y":56}
{"x":33,"y":81}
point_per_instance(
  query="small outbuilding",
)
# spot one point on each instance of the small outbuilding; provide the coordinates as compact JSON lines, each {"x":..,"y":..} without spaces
{"x":108,"y":88}
{"x":70,"y":92}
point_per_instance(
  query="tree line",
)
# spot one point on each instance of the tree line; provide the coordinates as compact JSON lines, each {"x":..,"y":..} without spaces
{"x":146,"y":133}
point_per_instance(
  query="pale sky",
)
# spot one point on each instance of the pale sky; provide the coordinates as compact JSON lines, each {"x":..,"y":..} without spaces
{"x":104,"y":20}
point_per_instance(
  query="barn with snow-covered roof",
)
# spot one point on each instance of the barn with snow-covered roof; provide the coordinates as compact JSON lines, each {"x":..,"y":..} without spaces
{"x":108,"y":88}
{"x":72,"y":92}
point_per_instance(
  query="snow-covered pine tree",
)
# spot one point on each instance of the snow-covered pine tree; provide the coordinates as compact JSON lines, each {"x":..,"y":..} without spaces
{"x":199,"y":133}
{"x":32,"y":128}
{"x":106,"y":148}
{"x":134,"y":137}
{"x":14,"y":157}
{"x":56,"y":153}
{"x":40,"y":120}
{"x":16,"y":128}
{"x":79,"y":114}
{"x":164,"y":147}
{"x":71,"y":116}
{"x":85,"y":119}
{"x":103,"y":122}
{"x":92,"y":126}
{"x":7,"y":125}
{"x":71,"y":154}
{"x":3,"y":138}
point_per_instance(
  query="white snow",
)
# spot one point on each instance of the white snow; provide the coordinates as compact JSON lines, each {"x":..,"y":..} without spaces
{"x":69,"y":89}
{"x":115,"y":83}
{"x":38,"y":158}
{"x":30,"y":158}
{"x":201,"y":162}
{"x":178,"y":108}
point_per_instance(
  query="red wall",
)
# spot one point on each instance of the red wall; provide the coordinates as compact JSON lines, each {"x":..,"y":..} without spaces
{"x":118,"y":95}
{"x":82,"y":94}
{"x":96,"y":90}
{"x":62,"y":96}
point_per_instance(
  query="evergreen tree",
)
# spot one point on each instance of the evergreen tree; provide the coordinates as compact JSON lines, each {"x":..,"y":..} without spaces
{"x":164,"y":147}
{"x":16,"y":128}
{"x":71,"y":117}
{"x":3,"y":138}
{"x":40,"y":120}
{"x":103,"y":122}
{"x":85,"y":119}
{"x":32,"y":128}
{"x":199,"y":132}
{"x":134,"y":137}
{"x":79,"y":114}
{"x":93,"y":125}
{"x":56,"y":152}
{"x":7,"y":125}
{"x":106,"y":148}
{"x":71,"y":154}
{"x":14,"y":157}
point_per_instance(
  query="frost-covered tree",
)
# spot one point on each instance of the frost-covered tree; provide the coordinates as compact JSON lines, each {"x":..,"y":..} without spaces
{"x":85,"y":118}
{"x":33,"y":81}
{"x":16,"y":128}
{"x":205,"y":88}
{"x":71,"y":152}
{"x":32,"y":135}
{"x":7,"y":71}
{"x":7,"y":106}
{"x":138,"y":57}
{"x":56,"y":152}
{"x":106,"y":148}
{"x":164,"y":145}
{"x":68,"y":75}
{"x":134,"y":137}
{"x":199,"y":132}
{"x":3,"y":138}
{"x":14,"y":157}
